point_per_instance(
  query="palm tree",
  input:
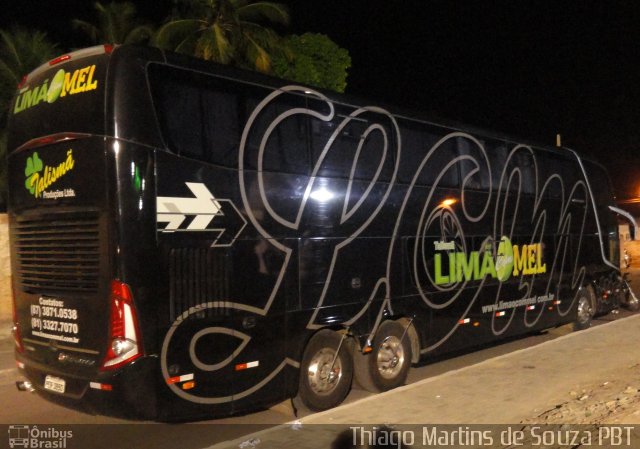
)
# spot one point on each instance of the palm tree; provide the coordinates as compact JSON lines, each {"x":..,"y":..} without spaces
{"x":21,"y":51}
{"x":227,"y":31}
{"x":116,"y":25}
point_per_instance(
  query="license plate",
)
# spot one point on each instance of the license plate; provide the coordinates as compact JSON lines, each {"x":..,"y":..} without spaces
{"x":54,"y":384}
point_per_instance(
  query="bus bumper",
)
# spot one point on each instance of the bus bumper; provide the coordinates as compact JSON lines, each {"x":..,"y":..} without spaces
{"x":129,"y":392}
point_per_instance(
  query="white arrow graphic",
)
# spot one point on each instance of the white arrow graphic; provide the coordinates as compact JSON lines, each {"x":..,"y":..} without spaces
{"x":173,"y":210}
{"x":204,"y":208}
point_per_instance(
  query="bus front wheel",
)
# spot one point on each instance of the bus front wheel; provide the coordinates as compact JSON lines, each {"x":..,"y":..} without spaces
{"x":586,"y":308}
{"x":326,"y":371}
{"x":387,"y":365}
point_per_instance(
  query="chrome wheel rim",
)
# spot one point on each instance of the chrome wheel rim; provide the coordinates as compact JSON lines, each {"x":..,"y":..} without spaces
{"x":585,"y":311}
{"x":390,"y":359}
{"x":322,"y":376}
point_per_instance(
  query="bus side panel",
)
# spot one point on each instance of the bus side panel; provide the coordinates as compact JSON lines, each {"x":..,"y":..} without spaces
{"x":222,"y":323}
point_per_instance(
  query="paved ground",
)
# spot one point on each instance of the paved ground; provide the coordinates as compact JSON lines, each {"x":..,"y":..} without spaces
{"x":526,"y":386}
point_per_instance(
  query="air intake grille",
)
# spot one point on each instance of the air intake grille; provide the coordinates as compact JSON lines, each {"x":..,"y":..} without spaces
{"x":58,"y":252}
{"x":198,"y":276}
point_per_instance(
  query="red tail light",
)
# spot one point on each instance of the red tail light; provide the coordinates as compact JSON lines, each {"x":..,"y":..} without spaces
{"x":125,"y":343}
{"x":59,"y":59}
{"x":23,"y":81}
{"x":51,"y":139}
{"x":16,"y":327}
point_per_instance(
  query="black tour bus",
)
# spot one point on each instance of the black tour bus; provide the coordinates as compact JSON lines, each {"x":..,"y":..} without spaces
{"x":190,"y":240}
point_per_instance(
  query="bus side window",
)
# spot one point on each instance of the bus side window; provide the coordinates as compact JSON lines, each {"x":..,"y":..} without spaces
{"x":417,"y":141}
{"x":564,"y":172}
{"x":178,"y":109}
{"x":198,"y":114}
{"x":600,"y":184}
{"x":601,"y":189}
{"x":474,"y":171}
{"x":221,"y":126}
{"x":286,"y":148}
{"x":526,"y":163}
{"x":497,"y":158}
{"x":352,"y":144}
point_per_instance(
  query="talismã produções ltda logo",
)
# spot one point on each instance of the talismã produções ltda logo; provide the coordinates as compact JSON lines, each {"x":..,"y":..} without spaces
{"x":40,"y":177}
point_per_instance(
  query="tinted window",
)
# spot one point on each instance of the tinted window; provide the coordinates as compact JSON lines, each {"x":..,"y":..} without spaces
{"x":352,"y":145}
{"x":280,"y":131}
{"x":564,"y":171}
{"x":525,"y":161}
{"x":417,"y":141}
{"x":603,"y":196}
{"x":497,"y":157}
{"x":200,"y":116}
{"x":474,"y":170}
{"x":600,"y":184}
{"x":203,"y":117}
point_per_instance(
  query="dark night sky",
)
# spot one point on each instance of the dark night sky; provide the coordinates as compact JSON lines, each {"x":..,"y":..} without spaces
{"x":530,"y":69}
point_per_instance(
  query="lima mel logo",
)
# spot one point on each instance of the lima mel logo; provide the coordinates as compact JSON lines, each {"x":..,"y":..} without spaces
{"x":62,"y":84}
{"x":510,"y":260}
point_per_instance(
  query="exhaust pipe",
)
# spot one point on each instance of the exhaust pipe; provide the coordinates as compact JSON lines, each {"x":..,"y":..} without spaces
{"x":25,"y":385}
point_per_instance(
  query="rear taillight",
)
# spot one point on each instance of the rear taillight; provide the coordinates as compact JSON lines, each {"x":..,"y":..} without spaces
{"x":16,"y":327}
{"x":125,"y":343}
{"x":51,"y":139}
{"x":23,"y":81}
{"x":59,"y":59}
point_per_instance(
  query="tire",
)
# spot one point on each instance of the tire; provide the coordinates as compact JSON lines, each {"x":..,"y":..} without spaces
{"x":586,"y":308}
{"x":387,"y":365}
{"x":321,"y":387}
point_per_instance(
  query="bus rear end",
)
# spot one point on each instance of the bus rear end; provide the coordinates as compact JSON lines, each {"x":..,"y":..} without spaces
{"x":77,"y":334}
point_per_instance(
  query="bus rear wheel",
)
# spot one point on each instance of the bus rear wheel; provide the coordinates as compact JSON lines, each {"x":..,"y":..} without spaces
{"x":326,"y":371}
{"x":586,"y":308}
{"x":387,"y":365}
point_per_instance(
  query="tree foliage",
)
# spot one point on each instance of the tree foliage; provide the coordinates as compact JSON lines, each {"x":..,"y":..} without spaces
{"x":226,"y":31}
{"x":21,"y":51}
{"x":117,"y":24}
{"x":313,"y":59}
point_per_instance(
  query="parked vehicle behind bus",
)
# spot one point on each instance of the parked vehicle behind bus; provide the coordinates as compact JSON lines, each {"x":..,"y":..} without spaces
{"x":190,"y":240}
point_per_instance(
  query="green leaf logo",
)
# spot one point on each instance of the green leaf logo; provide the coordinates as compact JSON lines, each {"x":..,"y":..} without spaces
{"x":55,"y":88}
{"x":504,"y":261}
{"x":34,"y":165}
